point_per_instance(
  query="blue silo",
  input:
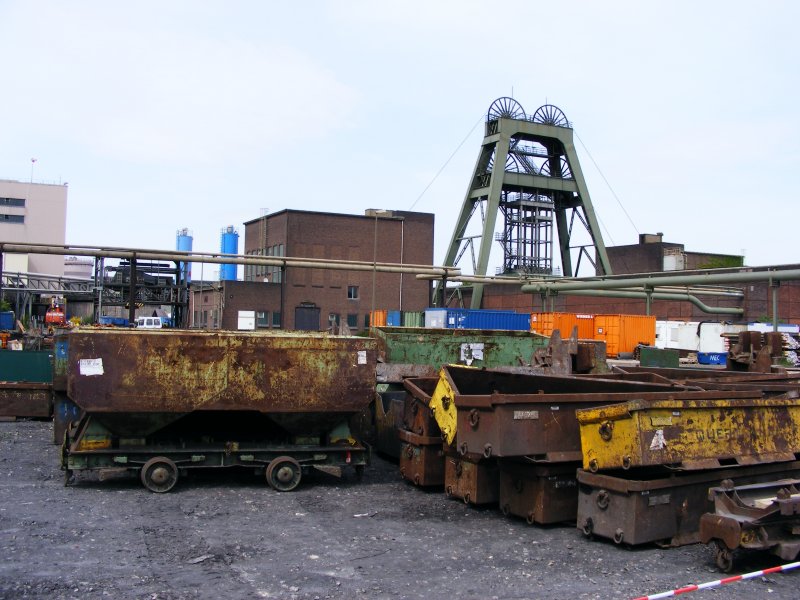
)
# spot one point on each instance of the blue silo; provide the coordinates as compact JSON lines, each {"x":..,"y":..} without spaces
{"x":229,"y":244}
{"x":183,"y":243}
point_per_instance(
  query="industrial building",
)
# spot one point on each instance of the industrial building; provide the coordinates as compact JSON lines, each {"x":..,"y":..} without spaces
{"x":315,"y":299}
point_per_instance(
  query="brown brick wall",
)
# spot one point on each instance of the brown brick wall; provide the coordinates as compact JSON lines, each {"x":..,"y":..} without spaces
{"x":406,"y":237}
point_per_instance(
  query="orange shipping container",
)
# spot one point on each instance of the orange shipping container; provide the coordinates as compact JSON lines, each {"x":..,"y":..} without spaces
{"x":377,"y":318}
{"x":545,"y":323}
{"x":622,"y":333}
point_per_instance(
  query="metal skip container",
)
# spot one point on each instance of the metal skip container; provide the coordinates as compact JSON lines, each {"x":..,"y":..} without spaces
{"x":693,"y":430}
{"x":473,"y":480}
{"x":654,"y":505}
{"x":538,"y":492}
{"x":489,"y":414}
{"x":492,"y":413}
{"x":305,"y":383}
{"x":162,"y":402}
{"x":422,"y":451}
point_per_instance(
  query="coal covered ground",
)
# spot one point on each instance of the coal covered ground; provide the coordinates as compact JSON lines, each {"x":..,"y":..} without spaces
{"x":226,"y":534}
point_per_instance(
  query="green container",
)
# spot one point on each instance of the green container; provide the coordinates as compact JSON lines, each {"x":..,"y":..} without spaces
{"x":413,"y":319}
{"x":658,"y":357}
{"x":473,"y":347}
{"x":29,"y":366}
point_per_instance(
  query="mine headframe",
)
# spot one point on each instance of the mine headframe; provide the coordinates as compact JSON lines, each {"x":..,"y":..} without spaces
{"x":539,"y":186}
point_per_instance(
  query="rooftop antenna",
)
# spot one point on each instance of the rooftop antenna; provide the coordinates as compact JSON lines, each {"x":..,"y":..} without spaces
{"x":33,"y":161}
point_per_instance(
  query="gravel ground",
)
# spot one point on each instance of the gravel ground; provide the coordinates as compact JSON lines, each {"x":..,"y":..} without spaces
{"x":225,"y":534}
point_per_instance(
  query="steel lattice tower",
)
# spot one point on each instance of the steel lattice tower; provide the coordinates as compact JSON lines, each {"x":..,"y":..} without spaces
{"x":540,"y":184}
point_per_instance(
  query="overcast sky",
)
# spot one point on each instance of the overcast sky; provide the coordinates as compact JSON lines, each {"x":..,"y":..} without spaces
{"x":164,"y":115}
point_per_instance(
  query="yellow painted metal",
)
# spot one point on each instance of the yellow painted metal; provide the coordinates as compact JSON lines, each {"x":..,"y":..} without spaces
{"x":443,"y":405}
{"x":94,"y":444}
{"x":694,"y":434}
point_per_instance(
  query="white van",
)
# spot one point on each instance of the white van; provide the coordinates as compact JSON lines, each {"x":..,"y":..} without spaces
{"x":149,"y":323}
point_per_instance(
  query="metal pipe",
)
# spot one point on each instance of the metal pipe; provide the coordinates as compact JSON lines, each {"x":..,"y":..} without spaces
{"x":705,"y":291}
{"x":288,"y":261}
{"x":714,"y":310}
{"x":709,"y":278}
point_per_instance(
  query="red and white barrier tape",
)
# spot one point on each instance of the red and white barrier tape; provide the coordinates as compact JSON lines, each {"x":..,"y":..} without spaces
{"x":718,"y":582}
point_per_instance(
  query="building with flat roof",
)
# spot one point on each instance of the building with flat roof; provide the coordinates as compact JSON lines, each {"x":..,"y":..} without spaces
{"x":33,"y":213}
{"x":315,"y":299}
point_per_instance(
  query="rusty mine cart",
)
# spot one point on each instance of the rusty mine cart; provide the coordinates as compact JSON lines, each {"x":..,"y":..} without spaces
{"x":160,"y":402}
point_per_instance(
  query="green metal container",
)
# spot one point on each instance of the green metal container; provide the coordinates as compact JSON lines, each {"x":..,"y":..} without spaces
{"x":33,"y":366}
{"x":473,"y":347}
{"x":413,"y":319}
{"x":658,"y":357}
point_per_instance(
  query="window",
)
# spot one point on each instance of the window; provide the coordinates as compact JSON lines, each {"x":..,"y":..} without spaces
{"x":352,"y":321}
{"x":12,"y":201}
{"x":276,"y":319}
{"x":262,"y":318}
{"x":13,"y":218}
{"x":352,"y":292}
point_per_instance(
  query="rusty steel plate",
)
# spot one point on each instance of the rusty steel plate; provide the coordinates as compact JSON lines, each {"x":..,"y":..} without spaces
{"x":179,"y":371}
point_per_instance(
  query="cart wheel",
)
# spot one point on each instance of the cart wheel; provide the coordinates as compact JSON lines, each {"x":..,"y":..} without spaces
{"x":723,"y":557}
{"x":159,"y":474}
{"x":284,"y":473}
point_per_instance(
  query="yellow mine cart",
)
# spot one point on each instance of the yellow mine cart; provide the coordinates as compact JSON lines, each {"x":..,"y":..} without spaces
{"x":693,"y":431}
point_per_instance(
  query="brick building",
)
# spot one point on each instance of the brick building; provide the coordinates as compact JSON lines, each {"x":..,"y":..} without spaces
{"x":310,"y":298}
{"x":653,"y":255}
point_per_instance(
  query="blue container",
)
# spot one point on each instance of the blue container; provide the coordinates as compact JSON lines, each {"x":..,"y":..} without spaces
{"x":7,"y":320}
{"x":504,"y":320}
{"x":183,"y":242}
{"x":712,"y":358}
{"x":229,"y":244}
{"x":497,"y":319}
{"x":116,"y":321}
{"x":393,"y":318}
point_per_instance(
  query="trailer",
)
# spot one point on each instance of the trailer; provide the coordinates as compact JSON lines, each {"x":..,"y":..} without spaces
{"x":161,"y":402}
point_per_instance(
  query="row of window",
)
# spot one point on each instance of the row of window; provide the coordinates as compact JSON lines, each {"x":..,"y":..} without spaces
{"x":271,"y":273}
{"x":263,"y":318}
{"x":12,"y":201}
{"x":12,"y":218}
